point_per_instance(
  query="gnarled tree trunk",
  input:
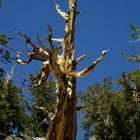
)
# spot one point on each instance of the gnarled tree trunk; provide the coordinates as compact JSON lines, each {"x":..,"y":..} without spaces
{"x":63,"y":124}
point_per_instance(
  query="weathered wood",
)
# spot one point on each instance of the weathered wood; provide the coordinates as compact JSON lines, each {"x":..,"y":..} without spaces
{"x":65,"y":121}
{"x":63,"y":125}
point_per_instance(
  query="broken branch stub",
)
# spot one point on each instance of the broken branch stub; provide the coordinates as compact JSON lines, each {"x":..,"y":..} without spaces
{"x":60,"y":12}
{"x":9,"y":76}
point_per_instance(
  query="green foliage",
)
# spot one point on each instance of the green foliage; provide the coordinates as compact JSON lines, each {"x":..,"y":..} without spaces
{"x":134,"y":58}
{"x":12,"y":112}
{"x":4,"y":53}
{"x":113,"y":113}
{"x":18,"y":114}
{"x":4,"y":39}
{"x":43,"y":96}
{"x":135,"y":35}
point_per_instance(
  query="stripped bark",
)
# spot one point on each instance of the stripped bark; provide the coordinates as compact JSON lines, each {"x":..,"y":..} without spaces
{"x":63,"y":125}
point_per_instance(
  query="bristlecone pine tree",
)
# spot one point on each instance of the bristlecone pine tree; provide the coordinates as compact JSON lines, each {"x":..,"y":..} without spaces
{"x":63,"y":124}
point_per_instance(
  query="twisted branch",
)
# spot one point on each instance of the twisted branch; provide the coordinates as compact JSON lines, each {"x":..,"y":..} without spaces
{"x":41,"y":54}
{"x":89,"y":69}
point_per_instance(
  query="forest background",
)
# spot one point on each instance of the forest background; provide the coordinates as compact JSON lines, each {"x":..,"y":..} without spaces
{"x":100,"y":25}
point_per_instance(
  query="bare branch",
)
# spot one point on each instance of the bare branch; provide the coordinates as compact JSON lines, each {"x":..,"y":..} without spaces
{"x":49,"y":37}
{"x":28,"y":52}
{"x":80,"y":58}
{"x":41,"y":54}
{"x":27,"y":40}
{"x":39,"y":41}
{"x":44,"y":75}
{"x":60,"y":12}
{"x":10,"y":48}
{"x":134,"y":29}
{"x":89,"y":69}
{"x":57,"y":40}
{"x":24,"y":62}
{"x":50,"y":115}
{"x":42,"y":47}
{"x":9,"y":76}
{"x":40,"y":108}
{"x":38,"y":54}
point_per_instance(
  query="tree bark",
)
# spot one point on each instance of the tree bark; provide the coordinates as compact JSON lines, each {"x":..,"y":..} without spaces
{"x":64,"y":125}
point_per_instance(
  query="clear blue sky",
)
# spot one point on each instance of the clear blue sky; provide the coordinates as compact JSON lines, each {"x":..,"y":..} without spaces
{"x":102,"y":24}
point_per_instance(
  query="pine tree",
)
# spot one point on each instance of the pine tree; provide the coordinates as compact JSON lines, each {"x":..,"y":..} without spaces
{"x":113,"y":114}
{"x":41,"y":108}
{"x":12,"y":112}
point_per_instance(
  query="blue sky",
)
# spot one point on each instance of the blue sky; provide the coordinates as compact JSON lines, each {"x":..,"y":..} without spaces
{"x":101,"y":25}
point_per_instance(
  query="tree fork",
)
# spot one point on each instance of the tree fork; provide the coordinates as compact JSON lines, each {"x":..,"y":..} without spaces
{"x":65,"y":120}
{"x":63,"y":124}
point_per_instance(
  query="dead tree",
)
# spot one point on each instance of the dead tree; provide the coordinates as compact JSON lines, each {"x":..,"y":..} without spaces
{"x":63,"y":126}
